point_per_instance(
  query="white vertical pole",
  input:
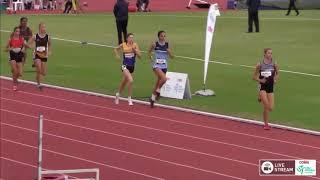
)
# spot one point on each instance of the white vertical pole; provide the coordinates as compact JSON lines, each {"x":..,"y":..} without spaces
{"x":40,"y":134}
{"x":98,"y":175}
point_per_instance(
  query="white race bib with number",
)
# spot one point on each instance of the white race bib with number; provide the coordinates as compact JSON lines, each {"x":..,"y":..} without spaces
{"x":160,"y":61}
{"x":129,"y":55}
{"x":16,"y":50}
{"x":266,"y":73}
{"x":41,"y":48}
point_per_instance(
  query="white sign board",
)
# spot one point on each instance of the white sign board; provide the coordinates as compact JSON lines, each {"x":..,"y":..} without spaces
{"x":177,"y":86}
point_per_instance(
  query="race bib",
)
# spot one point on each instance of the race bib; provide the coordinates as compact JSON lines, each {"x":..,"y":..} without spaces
{"x":160,"y":61}
{"x":42,"y":54}
{"x":266,"y":74}
{"x":129,"y":55}
{"x":41,"y":48}
{"x":16,"y":50}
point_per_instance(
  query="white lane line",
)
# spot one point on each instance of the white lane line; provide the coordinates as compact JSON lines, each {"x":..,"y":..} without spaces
{"x":176,"y":164}
{"x":163,"y":118}
{"x":81,"y":159}
{"x":19,"y":162}
{"x":203,"y":113}
{"x":204,"y":139}
{"x":137,"y":139}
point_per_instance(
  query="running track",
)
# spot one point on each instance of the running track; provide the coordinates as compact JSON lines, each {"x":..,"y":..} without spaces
{"x":136,"y":143}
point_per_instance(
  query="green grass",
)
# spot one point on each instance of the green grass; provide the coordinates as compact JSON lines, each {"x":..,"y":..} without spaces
{"x":295,"y":43}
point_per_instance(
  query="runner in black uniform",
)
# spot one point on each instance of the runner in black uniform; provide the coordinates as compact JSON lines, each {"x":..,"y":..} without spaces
{"x":266,"y":73}
{"x":26,"y":33}
{"x":41,"y":52}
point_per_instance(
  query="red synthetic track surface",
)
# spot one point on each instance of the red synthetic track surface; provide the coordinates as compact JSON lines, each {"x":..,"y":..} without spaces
{"x":136,"y":143}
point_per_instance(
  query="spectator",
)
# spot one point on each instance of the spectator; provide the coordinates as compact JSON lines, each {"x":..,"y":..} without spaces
{"x":292,"y":4}
{"x":253,"y":17}
{"x":28,"y":4}
{"x":67,"y":7}
{"x":142,"y":5}
{"x":52,"y":4}
{"x":120,"y":12}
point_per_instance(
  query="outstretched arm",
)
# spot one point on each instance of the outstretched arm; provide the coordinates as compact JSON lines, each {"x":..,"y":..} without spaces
{"x":30,"y":42}
{"x":136,"y":50}
{"x":7,"y":49}
{"x":49,"y":47}
{"x":276,"y":76}
{"x":151,"y":48}
{"x":256,"y":75}
{"x":117,"y":51}
{"x":170,"y":53}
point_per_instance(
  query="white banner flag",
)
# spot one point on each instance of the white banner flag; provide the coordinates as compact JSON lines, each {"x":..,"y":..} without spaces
{"x":211,"y":21}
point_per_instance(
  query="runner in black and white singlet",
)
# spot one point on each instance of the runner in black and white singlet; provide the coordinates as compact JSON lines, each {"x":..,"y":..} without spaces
{"x":26,"y":33}
{"x":41,"y":52}
{"x":159,"y":59}
{"x":266,"y":73}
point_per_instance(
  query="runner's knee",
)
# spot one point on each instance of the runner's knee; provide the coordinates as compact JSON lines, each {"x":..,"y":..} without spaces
{"x":130,"y":80}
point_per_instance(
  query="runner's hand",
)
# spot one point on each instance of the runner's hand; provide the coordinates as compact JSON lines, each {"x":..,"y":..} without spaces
{"x":264,"y":80}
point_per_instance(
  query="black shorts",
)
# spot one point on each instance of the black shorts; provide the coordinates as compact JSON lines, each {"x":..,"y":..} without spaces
{"x":16,"y":56}
{"x":130,"y":68}
{"x":35,"y":57}
{"x":266,"y":87}
{"x":163,"y":70}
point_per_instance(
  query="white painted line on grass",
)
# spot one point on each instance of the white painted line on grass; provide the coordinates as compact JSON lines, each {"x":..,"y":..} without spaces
{"x":183,"y":57}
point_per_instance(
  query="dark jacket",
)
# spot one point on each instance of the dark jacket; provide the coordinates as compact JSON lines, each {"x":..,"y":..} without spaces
{"x":253,"y":5}
{"x":120,"y":10}
{"x":292,"y":1}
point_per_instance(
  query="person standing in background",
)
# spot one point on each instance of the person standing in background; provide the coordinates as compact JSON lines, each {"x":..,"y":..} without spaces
{"x":253,"y":17}
{"x":67,"y":7}
{"x":292,"y":4}
{"x":142,"y":5}
{"x":120,"y":12}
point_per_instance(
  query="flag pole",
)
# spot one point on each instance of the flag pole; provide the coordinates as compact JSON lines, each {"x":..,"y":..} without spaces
{"x":210,"y":29}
